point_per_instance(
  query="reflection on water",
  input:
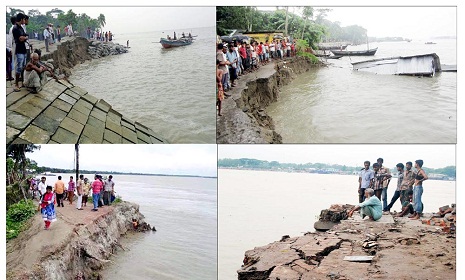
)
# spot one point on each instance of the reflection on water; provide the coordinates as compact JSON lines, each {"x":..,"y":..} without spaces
{"x":168,"y":90}
{"x":259,"y":207}
{"x":338,"y":105}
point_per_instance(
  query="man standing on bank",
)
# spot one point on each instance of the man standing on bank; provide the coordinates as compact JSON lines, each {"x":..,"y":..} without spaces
{"x":418,"y":189}
{"x":407,"y":182}
{"x":371,"y":207}
{"x":109,"y":189}
{"x":400,"y":178}
{"x":386,"y":174}
{"x":364,"y":181}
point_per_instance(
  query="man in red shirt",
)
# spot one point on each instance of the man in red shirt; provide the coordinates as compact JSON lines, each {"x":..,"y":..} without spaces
{"x":97,"y":186}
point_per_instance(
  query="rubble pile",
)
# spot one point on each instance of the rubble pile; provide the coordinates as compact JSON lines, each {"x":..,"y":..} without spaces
{"x":445,"y":219}
{"x":99,"y":49}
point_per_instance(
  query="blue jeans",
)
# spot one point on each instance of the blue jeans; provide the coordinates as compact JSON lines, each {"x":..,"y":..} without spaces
{"x":95,"y":199}
{"x":384,"y":197}
{"x":393,"y":200}
{"x":20,"y":62}
{"x":417,"y":204}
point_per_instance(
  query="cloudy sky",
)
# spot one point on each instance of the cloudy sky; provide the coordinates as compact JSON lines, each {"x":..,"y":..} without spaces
{"x":122,"y":20}
{"x":160,"y":159}
{"x":434,"y":156}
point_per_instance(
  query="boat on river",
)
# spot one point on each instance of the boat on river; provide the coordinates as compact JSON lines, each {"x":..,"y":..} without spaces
{"x":172,"y":43}
{"x":415,"y":65}
{"x":355,"y":53}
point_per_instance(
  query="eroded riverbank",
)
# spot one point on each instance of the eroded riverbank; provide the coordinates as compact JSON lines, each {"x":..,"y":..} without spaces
{"x":78,"y":243}
{"x":244,"y":118}
{"x":400,"y":249}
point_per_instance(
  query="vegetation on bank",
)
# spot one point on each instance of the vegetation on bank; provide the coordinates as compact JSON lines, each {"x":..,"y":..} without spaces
{"x":17,"y":216}
{"x":57,"y":17}
{"x":248,"y":163}
{"x":306,"y":23}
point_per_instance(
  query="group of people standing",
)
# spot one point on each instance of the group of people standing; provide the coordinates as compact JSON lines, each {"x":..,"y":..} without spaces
{"x":236,"y":59}
{"x":102,"y":194}
{"x":373,"y":186}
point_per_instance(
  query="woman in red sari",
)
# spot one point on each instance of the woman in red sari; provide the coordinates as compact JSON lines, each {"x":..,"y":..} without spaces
{"x":47,"y":207}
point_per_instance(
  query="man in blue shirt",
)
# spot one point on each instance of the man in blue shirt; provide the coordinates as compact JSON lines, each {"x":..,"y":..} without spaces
{"x":364,"y":180}
{"x":371,"y":207}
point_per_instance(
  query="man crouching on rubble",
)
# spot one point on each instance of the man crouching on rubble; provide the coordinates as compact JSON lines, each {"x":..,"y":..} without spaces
{"x":371,"y":207}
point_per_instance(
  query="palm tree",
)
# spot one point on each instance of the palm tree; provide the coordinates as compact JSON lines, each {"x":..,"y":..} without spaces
{"x":101,"y":20}
{"x":306,"y":14}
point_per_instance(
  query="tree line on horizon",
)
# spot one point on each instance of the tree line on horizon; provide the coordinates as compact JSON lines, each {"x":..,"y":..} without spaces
{"x":310,"y":25}
{"x":449,"y":171}
{"x":57,"y":17}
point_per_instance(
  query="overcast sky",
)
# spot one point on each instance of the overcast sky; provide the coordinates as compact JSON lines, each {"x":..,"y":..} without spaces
{"x":160,"y":159}
{"x":121,"y":20}
{"x":434,"y":156}
{"x":407,"y":22}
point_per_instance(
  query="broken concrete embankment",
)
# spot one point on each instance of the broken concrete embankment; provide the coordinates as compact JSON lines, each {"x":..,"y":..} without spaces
{"x":66,"y":114}
{"x":393,"y":248}
{"x":78,"y":243}
{"x":244,"y":118}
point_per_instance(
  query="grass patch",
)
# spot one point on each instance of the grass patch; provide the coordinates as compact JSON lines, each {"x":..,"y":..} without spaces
{"x":17,"y":216}
{"x":312,"y":57}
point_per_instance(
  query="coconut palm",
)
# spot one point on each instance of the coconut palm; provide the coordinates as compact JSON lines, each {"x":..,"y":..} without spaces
{"x":101,"y":20}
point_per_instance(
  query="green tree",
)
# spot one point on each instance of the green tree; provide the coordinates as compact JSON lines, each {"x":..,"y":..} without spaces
{"x":101,"y":21}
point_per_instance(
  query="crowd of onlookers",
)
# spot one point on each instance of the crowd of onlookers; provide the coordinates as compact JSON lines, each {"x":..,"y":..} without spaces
{"x":102,"y":191}
{"x":239,"y":58}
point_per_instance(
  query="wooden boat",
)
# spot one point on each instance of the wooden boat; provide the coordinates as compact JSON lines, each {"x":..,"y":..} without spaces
{"x":332,"y":46}
{"x":430,"y":43}
{"x":171,"y":43}
{"x":415,"y":65}
{"x":334,"y":57}
{"x":355,"y":53}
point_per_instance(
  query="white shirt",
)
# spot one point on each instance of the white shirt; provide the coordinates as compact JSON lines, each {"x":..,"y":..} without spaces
{"x":9,"y":40}
{"x":46,"y":34}
{"x":42,"y":187}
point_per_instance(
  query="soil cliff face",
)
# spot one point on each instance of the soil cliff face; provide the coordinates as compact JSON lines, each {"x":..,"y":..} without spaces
{"x":69,"y":54}
{"x":76,"y":249}
{"x":246,"y":121}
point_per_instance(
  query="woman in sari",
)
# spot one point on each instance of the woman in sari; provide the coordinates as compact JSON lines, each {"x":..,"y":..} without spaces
{"x":47,"y":207}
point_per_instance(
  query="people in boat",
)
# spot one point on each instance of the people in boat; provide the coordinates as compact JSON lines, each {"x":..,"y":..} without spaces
{"x":190,"y":35}
{"x":371,"y":207}
{"x":174,"y":37}
{"x":418,"y":189}
{"x":365,"y":180}
{"x":183,"y":35}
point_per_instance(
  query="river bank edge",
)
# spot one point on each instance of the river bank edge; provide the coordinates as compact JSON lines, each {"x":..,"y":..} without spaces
{"x":82,"y":249}
{"x":396,"y":248}
{"x":244,"y":118}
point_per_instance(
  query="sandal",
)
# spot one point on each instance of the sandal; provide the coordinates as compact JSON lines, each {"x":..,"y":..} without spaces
{"x":16,"y":88}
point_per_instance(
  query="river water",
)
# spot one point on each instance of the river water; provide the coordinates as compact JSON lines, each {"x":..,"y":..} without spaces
{"x":338,"y":105}
{"x":184,"y":212}
{"x":259,"y":207}
{"x":169,"y":90}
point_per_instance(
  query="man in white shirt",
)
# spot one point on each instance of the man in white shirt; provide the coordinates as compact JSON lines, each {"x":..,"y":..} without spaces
{"x":42,"y":187}
{"x":109,"y":189}
{"x":46,"y":38}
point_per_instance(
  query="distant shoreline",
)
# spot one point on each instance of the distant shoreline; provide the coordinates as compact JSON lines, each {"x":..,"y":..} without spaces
{"x":52,"y":170}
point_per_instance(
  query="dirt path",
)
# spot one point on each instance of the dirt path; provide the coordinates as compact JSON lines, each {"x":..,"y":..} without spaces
{"x":26,"y":250}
